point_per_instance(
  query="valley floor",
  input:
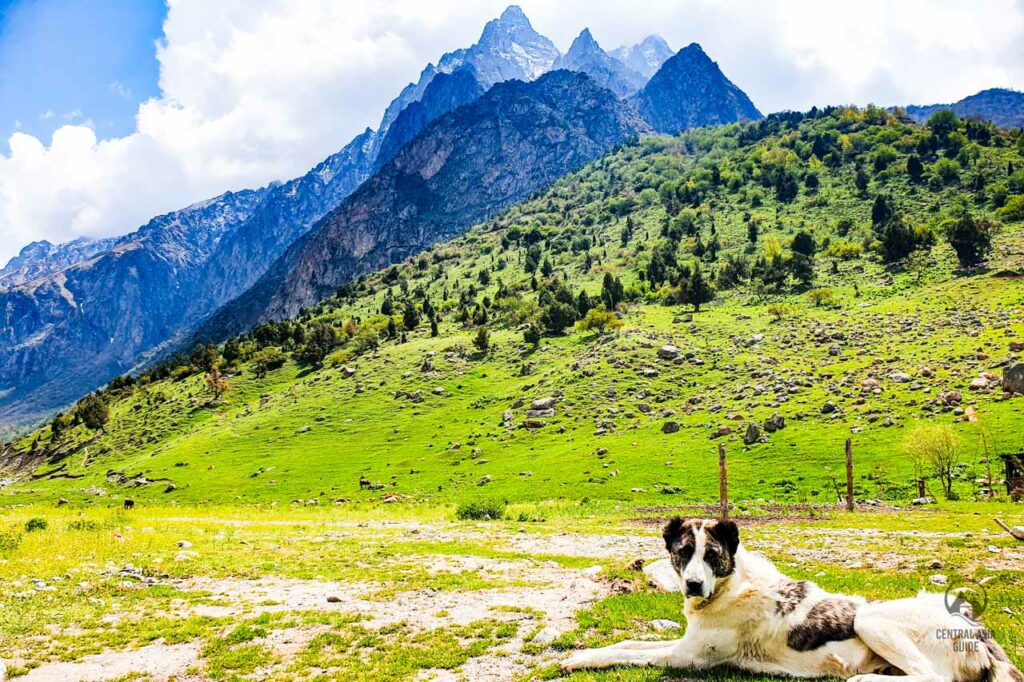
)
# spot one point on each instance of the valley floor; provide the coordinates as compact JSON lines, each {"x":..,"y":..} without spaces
{"x":406,"y":593}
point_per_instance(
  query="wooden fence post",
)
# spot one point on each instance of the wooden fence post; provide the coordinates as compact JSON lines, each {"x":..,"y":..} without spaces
{"x":723,"y":482}
{"x":849,"y":475}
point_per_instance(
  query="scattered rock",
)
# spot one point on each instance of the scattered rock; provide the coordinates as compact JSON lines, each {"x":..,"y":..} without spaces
{"x":184,"y":544}
{"x":829,"y":407}
{"x":484,"y":480}
{"x":668,"y":352}
{"x":939,"y":579}
{"x":752,"y":435}
{"x":670,"y":427}
{"x":662,"y":575}
{"x":979,"y":384}
{"x":665,"y":624}
{"x":723,"y":430}
{"x":774,"y":423}
{"x":546,"y":403}
{"x":1013,"y":378}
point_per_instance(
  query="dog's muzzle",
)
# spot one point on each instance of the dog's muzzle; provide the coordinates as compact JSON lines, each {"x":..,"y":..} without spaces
{"x":694,"y":588}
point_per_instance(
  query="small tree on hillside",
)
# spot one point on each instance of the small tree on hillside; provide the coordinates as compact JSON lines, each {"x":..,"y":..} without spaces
{"x":939,"y":448}
{"x":482,"y":340}
{"x":93,"y":412}
{"x":971,"y":238}
{"x":694,"y":289}
{"x":217,"y":383}
{"x":599,"y":321}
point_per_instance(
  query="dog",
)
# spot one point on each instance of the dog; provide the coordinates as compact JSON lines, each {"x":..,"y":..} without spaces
{"x":741,"y":611}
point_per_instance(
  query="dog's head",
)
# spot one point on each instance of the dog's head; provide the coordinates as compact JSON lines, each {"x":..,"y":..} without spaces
{"x":703,"y":552}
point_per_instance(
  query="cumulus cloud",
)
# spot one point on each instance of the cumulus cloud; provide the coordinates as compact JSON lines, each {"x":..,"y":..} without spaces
{"x":258,"y":90}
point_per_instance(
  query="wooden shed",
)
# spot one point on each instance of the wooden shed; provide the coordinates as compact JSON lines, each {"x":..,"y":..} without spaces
{"x":1014,"y":473}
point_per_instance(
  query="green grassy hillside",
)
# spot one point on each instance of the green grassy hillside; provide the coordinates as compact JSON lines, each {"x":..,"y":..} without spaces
{"x":824,"y":293}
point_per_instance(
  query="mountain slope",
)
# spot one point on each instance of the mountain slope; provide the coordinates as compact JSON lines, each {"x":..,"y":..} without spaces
{"x":586,"y":56}
{"x":689,"y":90}
{"x":866,"y":350}
{"x":74,"y":328}
{"x":469,"y":164}
{"x":999,"y":105}
{"x":42,"y":368}
{"x":446,"y":92}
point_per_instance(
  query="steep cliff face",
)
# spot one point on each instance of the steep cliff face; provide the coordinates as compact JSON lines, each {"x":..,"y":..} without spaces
{"x":689,"y":90}
{"x":446,"y":92}
{"x":586,"y":56}
{"x":64,"y":330}
{"x":513,"y":141}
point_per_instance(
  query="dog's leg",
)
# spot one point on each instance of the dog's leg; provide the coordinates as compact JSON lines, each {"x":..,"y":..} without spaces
{"x":888,"y":639}
{"x":671,"y":654}
{"x":643,"y":644}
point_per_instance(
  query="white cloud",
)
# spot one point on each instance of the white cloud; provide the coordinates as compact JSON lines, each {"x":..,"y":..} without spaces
{"x":257,"y":90}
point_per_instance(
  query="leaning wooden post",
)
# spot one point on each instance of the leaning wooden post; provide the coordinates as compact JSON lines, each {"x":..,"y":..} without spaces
{"x":849,"y":476}
{"x":723,"y":482}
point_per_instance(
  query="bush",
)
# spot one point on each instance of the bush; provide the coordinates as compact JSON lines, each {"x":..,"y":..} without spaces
{"x":845,"y":250}
{"x":83,"y":524}
{"x":481,"y":510}
{"x":35,"y":524}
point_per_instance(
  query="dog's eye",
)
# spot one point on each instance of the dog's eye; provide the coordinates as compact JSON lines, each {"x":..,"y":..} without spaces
{"x":686,"y":552}
{"x":710,"y":554}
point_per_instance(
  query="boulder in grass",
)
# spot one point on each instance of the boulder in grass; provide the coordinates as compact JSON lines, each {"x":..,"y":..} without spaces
{"x":662,"y":575}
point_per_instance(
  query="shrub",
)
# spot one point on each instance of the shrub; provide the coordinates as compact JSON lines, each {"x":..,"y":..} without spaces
{"x":821,"y":296}
{"x":599,"y":321}
{"x":35,"y":524}
{"x":845,"y":250}
{"x":9,"y":540}
{"x":481,"y":510}
{"x":1013,"y":210}
{"x":83,"y":524}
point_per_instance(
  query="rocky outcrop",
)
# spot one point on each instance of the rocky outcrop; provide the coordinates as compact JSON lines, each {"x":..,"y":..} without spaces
{"x":689,"y":91}
{"x":446,"y":92}
{"x":466,"y":166}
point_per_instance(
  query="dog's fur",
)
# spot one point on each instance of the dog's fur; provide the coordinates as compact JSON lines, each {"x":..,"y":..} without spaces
{"x":741,"y":611}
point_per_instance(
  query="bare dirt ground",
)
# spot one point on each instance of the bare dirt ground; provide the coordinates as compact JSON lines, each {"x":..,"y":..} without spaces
{"x":540,"y":594}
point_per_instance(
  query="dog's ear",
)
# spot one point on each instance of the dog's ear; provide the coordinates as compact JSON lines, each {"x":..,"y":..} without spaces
{"x":727,"y":533}
{"x":673,"y":531}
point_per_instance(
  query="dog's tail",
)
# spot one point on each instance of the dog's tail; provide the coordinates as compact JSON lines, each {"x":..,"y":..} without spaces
{"x":1000,"y":669}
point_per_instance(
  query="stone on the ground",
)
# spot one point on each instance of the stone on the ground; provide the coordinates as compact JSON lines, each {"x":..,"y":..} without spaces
{"x":670,"y":427}
{"x":665,"y":624}
{"x":774,"y":423}
{"x":668,"y":352}
{"x":545,"y":403}
{"x":662,"y":575}
{"x":1013,"y":378}
{"x":829,"y":407}
{"x":939,"y":579}
{"x":752,"y":434}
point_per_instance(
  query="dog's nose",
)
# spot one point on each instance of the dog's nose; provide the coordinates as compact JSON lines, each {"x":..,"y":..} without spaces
{"x":694,"y":588}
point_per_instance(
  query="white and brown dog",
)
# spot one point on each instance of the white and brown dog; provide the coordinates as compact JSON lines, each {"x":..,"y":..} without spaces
{"x":741,"y":611}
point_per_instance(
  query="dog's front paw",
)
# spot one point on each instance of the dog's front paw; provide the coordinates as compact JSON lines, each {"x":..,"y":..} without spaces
{"x":578,"y":661}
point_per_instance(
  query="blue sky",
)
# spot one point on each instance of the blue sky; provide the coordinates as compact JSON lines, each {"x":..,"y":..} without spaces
{"x":75,"y":61}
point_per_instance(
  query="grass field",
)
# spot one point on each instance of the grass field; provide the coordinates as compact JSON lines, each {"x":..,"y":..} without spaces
{"x":288,"y":594}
